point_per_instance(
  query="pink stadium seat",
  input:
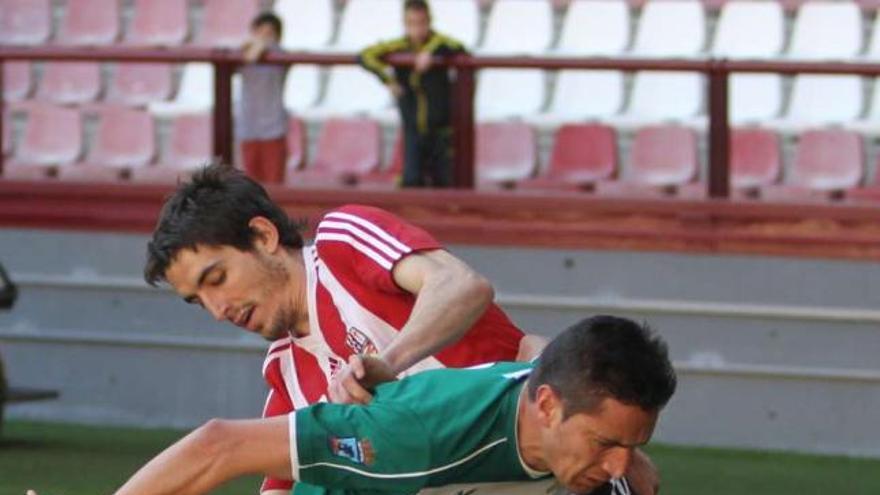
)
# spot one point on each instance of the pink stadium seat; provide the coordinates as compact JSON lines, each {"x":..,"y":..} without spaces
{"x":391,"y":174}
{"x":347,"y":149}
{"x":662,"y":159}
{"x":297,"y":144}
{"x":158,"y":22}
{"x":582,"y":155}
{"x":755,"y":158}
{"x":139,"y":84}
{"x":826,"y":163}
{"x":70,"y":82}
{"x":90,"y":22}
{"x":190,"y":141}
{"x":227,"y":23}
{"x":52,"y":135}
{"x":124,"y":138}
{"x":16,"y":81}
{"x":25,"y":22}
{"x":506,"y":152}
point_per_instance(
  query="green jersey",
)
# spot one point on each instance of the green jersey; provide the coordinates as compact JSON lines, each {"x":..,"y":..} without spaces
{"x":437,"y":428}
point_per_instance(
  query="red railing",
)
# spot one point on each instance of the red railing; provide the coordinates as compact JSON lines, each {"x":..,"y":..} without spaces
{"x":225,"y":62}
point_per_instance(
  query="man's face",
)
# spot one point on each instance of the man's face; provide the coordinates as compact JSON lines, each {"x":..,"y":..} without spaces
{"x":250,"y":289}
{"x":265,"y":32}
{"x":586,"y":450}
{"x":417,"y":24}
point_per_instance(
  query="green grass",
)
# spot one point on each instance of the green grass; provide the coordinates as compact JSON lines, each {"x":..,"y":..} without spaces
{"x":59,"y":459}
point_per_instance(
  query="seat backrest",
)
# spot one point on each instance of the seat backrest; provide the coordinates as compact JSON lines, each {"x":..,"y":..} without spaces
{"x":225,"y":23}
{"x":595,"y":27}
{"x":666,"y":95}
{"x":25,"y":22}
{"x":755,"y":157}
{"x":195,"y":85}
{"x":584,"y":152}
{"x":755,"y":97}
{"x":70,"y":82}
{"x":124,"y":138}
{"x":52,"y":135}
{"x":505,"y":93}
{"x":505,"y":151}
{"x":348,"y":146}
{"x":664,"y":156}
{"x":510,"y":19}
{"x":748,"y":29}
{"x":825,"y":99}
{"x":365,"y":22}
{"x":587,"y":94}
{"x":352,"y":90}
{"x":191,"y":142}
{"x":16,"y":80}
{"x":140,"y":83}
{"x":158,"y":22}
{"x":297,"y":144}
{"x":459,"y":19}
{"x":828,"y":159}
{"x":302,"y":87}
{"x":308,"y":24}
{"x":671,"y":28}
{"x":90,"y":22}
{"x":827,"y":30}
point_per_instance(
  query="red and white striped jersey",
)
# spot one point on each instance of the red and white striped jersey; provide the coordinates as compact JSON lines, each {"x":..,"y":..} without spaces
{"x":355,"y":307}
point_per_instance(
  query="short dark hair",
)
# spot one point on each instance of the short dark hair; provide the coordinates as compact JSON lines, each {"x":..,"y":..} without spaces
{"x":421,"y":5}
{"x":268,"y":18}
{"x":606,"y":357}
{"x":213,"y":209}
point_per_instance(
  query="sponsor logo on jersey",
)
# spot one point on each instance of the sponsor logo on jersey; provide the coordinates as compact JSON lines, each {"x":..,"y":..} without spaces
{"x":358,"y":342}
{"x":353,"y":449}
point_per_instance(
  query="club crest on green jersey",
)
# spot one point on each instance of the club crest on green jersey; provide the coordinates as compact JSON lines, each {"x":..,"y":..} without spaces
{"x":358,"y":451}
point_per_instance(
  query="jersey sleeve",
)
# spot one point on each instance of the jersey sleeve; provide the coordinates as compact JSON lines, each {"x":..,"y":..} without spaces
{"x":366,"y":243}
{"x":277,"y":403}
{"x":352,"y":447}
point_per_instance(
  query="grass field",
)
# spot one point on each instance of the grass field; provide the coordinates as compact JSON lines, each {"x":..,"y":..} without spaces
{"x":61,"y":459}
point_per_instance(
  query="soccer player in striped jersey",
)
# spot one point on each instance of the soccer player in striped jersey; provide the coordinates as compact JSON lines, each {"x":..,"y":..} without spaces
{"x":370,"y":284}
{"x":575,"y":416}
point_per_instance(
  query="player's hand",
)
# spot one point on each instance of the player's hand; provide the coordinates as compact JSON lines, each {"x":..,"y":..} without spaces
{"x":352,"y":384}
{"x":642,"y":474}
{"x":396,"y":89}
{"x":423,"y":62}
{"x":253,"y":50}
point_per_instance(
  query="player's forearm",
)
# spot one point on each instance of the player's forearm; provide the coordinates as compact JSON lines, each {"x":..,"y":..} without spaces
{"x":214,"y":454}
{"x":446,"y":307}
{"x":530,"y":347}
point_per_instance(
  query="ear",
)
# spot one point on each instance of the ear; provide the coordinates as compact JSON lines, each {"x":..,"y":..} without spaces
{"x":549,"y":406}
{"x":266,"y":238}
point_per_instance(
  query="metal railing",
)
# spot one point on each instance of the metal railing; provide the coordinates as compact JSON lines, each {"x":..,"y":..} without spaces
{"x":225,"y":62}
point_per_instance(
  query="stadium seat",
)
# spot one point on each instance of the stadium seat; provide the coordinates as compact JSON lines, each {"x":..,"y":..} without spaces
{"x":70,"y":82}
{"x":350,"y":90}
{"x":591,"y":28}
{"x":827,"y":30}
{"x":16,"y":81}
{"x":225,"y":23}
{"x":191,"y":143}
{"x":510,"y":19}
{"x":125,"y":138}
{"x":828,"y":159}
{"x":506,"y":152}
{"x":755,"y":158}
{"x":139,"y":84}
{"x":346,"y":149}
{"x":673,"y":28}
{"x":52,"y":136}
{"x":25,"y":22}
{"x":90,"y":22}
{"x":662,"y":158}
{"x":582,"y":155}
{"x":302,"y":87}
{"x":661,"y":96}
{"x":158,"y":23}
{"x":297,"y":144}
{"x":194,"y":95}
{"x":751,"y":30}
{"x":390,"y":175}
{"x":509,"y":93}
{"x":365,"y":22}
{"x":308,"y":24}
{"x":88,"y":172}
{"x":459,"y":19}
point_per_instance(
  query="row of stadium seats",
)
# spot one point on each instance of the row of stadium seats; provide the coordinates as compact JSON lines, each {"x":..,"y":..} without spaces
{"x":663,"y":159}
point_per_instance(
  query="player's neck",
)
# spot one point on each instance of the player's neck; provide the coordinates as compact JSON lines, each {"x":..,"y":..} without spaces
{"x":298,"y":292}
{"x":528,"y":434}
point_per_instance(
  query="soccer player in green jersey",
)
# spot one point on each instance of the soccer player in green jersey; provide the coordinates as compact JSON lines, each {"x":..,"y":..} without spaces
{"x":575,"y":415}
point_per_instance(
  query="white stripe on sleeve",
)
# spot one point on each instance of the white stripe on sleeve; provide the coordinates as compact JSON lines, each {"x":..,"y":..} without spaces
{"x":366,"y":250}
{"x":371,"y":227}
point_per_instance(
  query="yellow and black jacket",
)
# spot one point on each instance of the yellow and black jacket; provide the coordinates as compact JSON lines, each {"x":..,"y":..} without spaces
{"x":427,"y":97}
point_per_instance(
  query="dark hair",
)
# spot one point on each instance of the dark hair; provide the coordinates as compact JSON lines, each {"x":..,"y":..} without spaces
{"x":421,"y":5}
{"x":606,"y":356}
{"x":270,"y":19}
{"x":214,"y":209}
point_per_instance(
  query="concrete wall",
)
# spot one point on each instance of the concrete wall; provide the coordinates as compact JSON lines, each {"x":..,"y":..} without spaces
{"x":771,"y":352}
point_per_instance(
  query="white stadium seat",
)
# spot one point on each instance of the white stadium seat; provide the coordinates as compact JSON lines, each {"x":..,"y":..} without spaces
{"x":308,"y":24}
{"x":459,"y":19}
{"x":302,"y":87}
{"x":509,"y":93}
{"x":195,"y":94}
{"x":365,"y":22}
{"x":674,"y":28}
{"x":595,"y":27}
{"x":351,"y":90}
{"x":519,"y":27}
